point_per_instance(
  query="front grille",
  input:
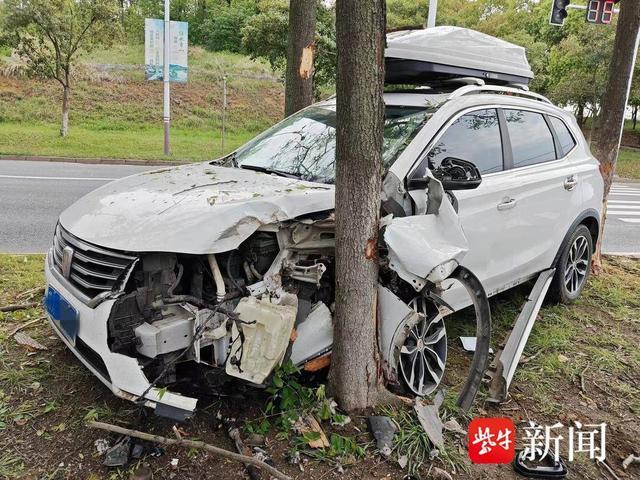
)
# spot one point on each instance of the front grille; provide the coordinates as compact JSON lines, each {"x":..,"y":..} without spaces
{"x":92,"y":269}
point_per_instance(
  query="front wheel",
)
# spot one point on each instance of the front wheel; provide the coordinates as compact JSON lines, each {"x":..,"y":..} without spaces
{"x":572,"y":270}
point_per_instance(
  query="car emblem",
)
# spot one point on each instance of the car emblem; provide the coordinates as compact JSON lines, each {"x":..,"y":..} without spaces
{"x":67,"y":256}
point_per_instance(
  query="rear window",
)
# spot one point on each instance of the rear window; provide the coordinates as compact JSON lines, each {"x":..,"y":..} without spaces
{"x":531,"y":139}
{"x":565,"y":138}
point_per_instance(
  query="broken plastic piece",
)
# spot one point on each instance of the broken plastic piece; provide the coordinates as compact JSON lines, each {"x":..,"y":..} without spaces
{"x":550,"y":468}
{"x":507,"y":360}
{"x":118,"y":455}
{"x":383,"y":429}
{"x":430,"y":421}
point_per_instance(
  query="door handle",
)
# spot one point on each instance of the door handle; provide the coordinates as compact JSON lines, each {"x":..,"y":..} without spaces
{"x":570,"y":183}
{"x":507,"y":204}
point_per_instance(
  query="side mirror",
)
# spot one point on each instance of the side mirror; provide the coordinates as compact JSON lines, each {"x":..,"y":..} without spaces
{"x":458,"y":174}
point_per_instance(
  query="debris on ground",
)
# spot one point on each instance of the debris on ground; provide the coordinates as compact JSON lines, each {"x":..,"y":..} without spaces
{"x":310,"y":429}
{"x":452,"y":425}
{"x":102,"y":445}
{"x":25,"y":340}
{"x":440,"y":474}
{"x":19,"y":306}
{"x":174,"y":463}
{"x":143,"y":473}
{"x":383,"y":429}
{"x":24,"y":325}
{"x":118,"y":455}
{"x":629,"y":460}
{"x":220,"y":452}
{"x":429,"y":418}
{"x":469,"y":344}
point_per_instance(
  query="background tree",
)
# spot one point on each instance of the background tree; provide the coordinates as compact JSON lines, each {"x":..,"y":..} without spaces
{"x":265,"y":35}
{"x":49,"y":35}
{"x":301,"y":51}
{"x":360,"y":32}
{"x":614,"y":103}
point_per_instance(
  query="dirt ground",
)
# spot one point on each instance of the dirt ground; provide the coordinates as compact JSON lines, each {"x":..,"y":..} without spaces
{"x":582,"y":363}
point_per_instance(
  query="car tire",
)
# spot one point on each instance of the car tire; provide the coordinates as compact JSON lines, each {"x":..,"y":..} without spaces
{"x":572,"y":269}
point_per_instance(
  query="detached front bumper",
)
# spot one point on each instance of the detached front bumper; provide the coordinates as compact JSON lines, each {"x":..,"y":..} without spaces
{"x":122,"y":374}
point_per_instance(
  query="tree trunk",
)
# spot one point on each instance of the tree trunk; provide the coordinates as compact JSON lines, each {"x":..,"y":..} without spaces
{"x":581,"y":115}
{"x":64,"y":129}
{"x":635,"y":116}
{"x":614,"y":103}
{"x":300,"y":55}
{"x":355,"y":376}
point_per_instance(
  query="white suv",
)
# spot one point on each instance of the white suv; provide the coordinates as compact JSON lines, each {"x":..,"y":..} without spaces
{"x":207,"y":274}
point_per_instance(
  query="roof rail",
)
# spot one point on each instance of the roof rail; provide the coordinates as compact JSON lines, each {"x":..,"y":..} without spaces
{"x":472,"y":89}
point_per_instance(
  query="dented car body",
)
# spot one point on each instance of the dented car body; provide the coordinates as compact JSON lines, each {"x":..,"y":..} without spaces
{"x":210,"y":275}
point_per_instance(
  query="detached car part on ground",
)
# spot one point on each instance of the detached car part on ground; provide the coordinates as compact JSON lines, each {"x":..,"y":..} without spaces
{"x":185,"y":279}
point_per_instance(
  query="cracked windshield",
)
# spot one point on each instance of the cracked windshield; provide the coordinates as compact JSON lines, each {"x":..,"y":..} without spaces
{"x":304,"y":145}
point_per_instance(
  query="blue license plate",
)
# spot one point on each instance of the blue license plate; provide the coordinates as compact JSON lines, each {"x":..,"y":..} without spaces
{"x":62,"y":313}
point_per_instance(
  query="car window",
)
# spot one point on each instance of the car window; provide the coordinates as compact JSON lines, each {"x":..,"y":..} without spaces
{"x":474,"y":137}
{"x":304,"y":145}
{"x":531,"y":139}
{"x":565,"y":138}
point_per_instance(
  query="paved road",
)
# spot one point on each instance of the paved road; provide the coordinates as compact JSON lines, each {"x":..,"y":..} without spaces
{"x":622,"y":229}
{"x":33,"y":194}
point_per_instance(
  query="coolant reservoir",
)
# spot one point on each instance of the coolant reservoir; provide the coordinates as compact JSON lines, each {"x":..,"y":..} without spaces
{"x":265,"y":341}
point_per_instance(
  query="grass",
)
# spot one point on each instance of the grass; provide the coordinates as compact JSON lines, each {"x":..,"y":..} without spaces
{"x":46,"y":397}
{"x":116,"y":113}
{"x":628,"y":163}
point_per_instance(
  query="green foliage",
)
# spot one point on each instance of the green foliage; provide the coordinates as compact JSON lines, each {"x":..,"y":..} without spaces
{"x":291,"y":401}
{"x":223,"y":31}
{"x":49,"y":34}
{"x":265,"y":36}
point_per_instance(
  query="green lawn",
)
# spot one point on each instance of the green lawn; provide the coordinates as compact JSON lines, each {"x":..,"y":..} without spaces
{"x":629,"y":164}
{"x":115,"y":113}
{"x":138,"y":142}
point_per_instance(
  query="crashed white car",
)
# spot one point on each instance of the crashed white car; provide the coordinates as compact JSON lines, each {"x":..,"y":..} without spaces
{"x":207,"y":274}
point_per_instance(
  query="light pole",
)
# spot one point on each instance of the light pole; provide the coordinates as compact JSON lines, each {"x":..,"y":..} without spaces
{"x":431,"y":19}
{"x":166,"y":117}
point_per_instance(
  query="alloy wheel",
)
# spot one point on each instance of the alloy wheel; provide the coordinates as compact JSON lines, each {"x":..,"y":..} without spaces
{"x":577,"y":265}
{"x":424,"y":353}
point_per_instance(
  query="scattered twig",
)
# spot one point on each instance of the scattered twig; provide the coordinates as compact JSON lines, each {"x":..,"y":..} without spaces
{"x":176,"y":432}
{"x":31,"y":292}
{"x":221,"y":452}
{"x":24,"y":325}
{"x":582,"y":387}
{"x":27,"y":341}
{"x":608,"y":468}
{"x":19,"y":306}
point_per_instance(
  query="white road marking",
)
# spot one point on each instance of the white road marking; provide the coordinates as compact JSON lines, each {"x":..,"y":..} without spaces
{"x":623,"y":202}
{"x":630,"y":220}
{"x":624,"y":206}
{"x":28,"y":177}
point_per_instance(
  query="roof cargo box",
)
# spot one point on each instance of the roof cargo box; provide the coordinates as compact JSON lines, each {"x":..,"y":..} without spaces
{"x":443,"y":53}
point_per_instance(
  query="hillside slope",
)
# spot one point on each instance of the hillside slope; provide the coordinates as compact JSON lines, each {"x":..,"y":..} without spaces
{"x":116,"y":113}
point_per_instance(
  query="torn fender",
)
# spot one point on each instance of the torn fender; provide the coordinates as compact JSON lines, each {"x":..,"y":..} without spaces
{"x":426,"y":247}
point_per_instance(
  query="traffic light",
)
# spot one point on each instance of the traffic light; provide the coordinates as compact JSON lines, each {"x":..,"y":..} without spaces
{"x":559,"y":11}
{"x":600,"y":11}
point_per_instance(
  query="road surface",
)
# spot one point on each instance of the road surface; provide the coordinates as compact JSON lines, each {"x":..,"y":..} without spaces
{"x":33,"y":194}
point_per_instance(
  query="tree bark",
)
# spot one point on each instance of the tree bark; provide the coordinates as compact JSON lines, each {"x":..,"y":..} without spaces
{"x":609,"y":135}
{"x":635,"y":116}
{"x":64,"y":128}
{"x":355,"y":377}
{"x":301,"y":51}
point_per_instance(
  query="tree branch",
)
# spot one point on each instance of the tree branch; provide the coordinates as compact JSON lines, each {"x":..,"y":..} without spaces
{"x":220,"y":452}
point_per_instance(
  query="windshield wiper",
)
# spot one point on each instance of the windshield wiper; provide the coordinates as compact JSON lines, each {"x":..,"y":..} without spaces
{"x":257,"y":168}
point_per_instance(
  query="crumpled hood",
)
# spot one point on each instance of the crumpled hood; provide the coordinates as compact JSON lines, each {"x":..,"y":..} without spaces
{"x":193,"y":209}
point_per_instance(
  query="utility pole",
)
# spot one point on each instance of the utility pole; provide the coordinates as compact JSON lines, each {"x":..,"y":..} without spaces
{"x":433,"y":9}
{"x":224,"y":109}
{"x":166,"y":117}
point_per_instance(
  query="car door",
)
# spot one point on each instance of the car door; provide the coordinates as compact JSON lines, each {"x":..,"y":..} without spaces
{"x":545,"y":188}
{"x":486,"y":214}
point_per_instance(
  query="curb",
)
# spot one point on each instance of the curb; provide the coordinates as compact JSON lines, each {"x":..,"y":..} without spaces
{"x":96,"y":161}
